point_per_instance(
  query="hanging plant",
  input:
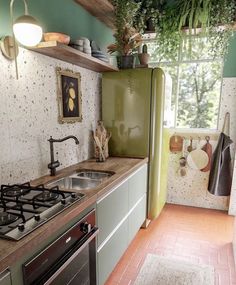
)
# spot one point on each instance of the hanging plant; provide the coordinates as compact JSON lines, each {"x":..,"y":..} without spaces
{"x":176,"y":22}
{"x":220,"y":30}
{"x":180,"y":20}
{"x":147,"y":16}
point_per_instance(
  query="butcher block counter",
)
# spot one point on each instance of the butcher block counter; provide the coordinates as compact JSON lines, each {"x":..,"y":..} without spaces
{"x":12,"y":251}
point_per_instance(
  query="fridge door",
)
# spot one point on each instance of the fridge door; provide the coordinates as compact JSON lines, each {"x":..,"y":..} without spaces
{"x":126,"y":102}
{"x":158,"y":157}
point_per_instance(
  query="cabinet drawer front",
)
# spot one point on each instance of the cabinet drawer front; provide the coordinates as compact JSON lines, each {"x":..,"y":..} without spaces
{"x":111,"y":252}
{"x":111,"y":210}
{"x":137,"y":186}
{"x":137,"y":217}
{"x":5,"y":278}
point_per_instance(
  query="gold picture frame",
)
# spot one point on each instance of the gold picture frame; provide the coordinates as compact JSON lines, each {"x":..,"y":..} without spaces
{"x":69,"y":96}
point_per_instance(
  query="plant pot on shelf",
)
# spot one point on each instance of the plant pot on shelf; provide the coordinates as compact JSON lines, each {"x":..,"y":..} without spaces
{"x":143,"y":58}
{"x":150,"y":28}
{"x":126,"y":61}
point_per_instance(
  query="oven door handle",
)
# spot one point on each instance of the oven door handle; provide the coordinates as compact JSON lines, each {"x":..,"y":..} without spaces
{"x":68,"y":261}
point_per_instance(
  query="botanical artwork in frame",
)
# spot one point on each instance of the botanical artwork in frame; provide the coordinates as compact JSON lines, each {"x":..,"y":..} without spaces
{"x":69,"y":96}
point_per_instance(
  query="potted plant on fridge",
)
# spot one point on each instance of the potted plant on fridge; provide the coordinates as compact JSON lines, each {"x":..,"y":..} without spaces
{"x":127,"y":38}
{"x":144,"y":56}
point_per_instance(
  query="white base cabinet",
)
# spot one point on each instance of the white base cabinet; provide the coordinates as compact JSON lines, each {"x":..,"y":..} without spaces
{"x":120,"y":214}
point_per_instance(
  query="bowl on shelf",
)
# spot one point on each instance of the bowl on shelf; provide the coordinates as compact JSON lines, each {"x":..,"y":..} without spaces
{"x":59,"y":37}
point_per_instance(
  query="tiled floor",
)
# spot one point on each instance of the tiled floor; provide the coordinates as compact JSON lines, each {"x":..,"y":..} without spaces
{"x":197,"y":235}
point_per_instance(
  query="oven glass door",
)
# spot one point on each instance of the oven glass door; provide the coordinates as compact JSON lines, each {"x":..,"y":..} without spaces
{"x":81,"y":269}
{"x":71,"y":259}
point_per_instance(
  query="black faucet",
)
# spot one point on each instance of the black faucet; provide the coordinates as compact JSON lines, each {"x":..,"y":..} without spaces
{"x":54,"y":164}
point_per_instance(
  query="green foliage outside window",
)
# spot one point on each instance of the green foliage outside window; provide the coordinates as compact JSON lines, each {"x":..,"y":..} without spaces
{"x":196,"y":79}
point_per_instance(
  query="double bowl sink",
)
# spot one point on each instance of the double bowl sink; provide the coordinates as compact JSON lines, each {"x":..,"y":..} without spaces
{"x":82,"y":180}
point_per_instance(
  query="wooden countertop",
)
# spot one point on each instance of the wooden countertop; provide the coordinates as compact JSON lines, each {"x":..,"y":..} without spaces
{"x":12,"y":251}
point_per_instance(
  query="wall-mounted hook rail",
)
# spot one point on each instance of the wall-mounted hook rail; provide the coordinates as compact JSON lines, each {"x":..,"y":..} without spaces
{"x":195,"y":136}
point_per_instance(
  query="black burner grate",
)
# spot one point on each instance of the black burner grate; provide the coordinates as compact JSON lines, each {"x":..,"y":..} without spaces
{"x":23,"y":207}
{"x":7,"y":218}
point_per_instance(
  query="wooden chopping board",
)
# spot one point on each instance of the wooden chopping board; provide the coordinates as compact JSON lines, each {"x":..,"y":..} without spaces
{"x":176,"y":143}
{"x":208,"y":149}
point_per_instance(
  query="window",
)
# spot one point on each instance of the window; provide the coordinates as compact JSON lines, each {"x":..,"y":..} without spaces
{"x":196,"y":83}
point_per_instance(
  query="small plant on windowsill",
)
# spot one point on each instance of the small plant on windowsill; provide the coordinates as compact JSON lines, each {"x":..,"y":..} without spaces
{"x":127,"y":38}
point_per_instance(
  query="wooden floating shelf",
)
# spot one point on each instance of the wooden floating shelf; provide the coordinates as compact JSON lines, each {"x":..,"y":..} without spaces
{"x":101,"y":9}
{"x":71,"y":55}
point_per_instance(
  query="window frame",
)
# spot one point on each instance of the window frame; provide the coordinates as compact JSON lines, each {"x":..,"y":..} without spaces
{"x":177,"y":63}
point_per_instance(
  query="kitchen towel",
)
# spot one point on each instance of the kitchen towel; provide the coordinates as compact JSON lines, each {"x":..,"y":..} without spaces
{"x":220,"y":178}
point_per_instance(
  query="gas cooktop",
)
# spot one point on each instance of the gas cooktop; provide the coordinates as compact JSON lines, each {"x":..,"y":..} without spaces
{"x":23,"y":208}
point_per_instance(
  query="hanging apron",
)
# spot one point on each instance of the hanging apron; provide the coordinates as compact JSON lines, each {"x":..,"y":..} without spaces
{"x":220,"y":178}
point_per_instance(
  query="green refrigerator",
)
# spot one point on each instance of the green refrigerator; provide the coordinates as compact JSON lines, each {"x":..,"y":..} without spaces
{"x":133,"y":105}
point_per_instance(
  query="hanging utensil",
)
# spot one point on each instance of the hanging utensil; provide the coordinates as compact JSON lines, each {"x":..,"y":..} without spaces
{"x":182,"y":170}
{"x":190,"y":147}
{"x":208,"y":149}
{"x":176,"y":143}
{"x":197,"y":159}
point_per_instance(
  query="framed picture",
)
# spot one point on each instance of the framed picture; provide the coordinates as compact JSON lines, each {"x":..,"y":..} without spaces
{"x":69,"y":96}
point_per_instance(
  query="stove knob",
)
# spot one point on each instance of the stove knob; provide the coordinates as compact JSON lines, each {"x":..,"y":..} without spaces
{"x":37,"y":217}
{"x":63,"y":201}
{"x":21,"y":227}
{"x":73,"y":195}
{"x":85,"y":227}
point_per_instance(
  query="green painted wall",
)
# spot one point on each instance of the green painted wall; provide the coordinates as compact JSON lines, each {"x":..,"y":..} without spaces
{"x":230,"y":60}
{"x":59,"y":16}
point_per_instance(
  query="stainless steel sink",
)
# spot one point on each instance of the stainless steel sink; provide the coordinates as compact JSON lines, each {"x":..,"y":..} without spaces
{"x":91,"y":174}
{"x":77,"y":183}
{"x":81,"y":180}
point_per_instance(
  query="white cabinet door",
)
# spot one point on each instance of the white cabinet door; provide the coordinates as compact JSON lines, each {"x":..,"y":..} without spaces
{"x":111,"y":252}
{"x":111,"y":210}
{"x":137,"y":217}
{"x":137,"y":185}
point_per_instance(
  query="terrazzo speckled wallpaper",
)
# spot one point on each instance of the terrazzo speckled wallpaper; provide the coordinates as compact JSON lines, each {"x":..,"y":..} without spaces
{"x":28,"y":117}
{"x":191,"y":190}
{"x":29,"y":112}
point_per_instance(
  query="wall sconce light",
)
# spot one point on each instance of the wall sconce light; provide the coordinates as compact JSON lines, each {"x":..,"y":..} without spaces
{"x":25,"y":29}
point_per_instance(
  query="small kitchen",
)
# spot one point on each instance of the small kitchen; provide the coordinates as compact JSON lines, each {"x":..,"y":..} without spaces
{"x":102,"y":219}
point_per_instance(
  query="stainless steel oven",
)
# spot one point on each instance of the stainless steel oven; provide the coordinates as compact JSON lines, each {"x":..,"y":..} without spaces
{"x":71,"y":259}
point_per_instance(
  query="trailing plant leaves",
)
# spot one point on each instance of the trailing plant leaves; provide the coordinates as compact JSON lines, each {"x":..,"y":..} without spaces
{"x":170,"y":17}
{"x":195,"y":14}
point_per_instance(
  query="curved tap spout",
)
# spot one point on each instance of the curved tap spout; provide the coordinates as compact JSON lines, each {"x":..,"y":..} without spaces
{"x":54,"y":164}
{"x":64,"y":139}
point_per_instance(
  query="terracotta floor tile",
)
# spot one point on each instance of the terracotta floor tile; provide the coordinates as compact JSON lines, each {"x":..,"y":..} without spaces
{"x":125,"y":281}
{"x":193,"y":234}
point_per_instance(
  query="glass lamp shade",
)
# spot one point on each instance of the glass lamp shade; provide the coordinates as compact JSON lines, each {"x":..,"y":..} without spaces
{"x":27,"y":31}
